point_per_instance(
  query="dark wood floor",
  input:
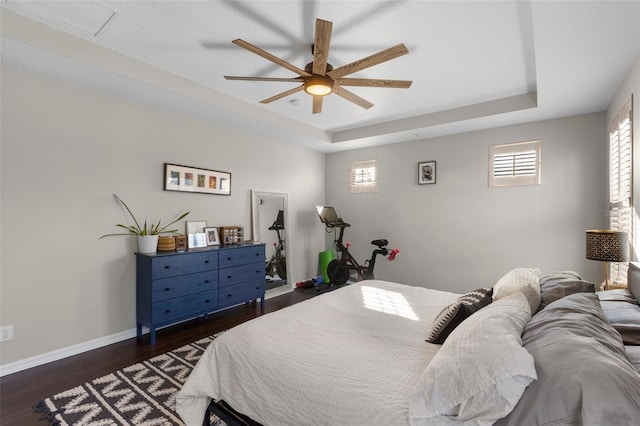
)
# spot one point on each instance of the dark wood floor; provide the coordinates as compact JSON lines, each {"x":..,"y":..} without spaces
{"x":19,"y":392}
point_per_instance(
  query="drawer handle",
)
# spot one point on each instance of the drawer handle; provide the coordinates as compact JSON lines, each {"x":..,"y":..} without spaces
{"x":229,"y":277}
{"x":206,"y":281}
{"x":229,"y":295}
{"x":168,"y":311}
{"x":257,"y":254}
{"x":167,"y":289}
{"x":257,"y":271}
{"x":206,"y":261}
{"x":257,"y":287}
{"x":229,"y":258}
{"x":206,"y":301}
{"x":167,"y":267}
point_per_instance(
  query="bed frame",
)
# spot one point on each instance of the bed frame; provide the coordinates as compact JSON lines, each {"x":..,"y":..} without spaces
{"x":227,"y":414}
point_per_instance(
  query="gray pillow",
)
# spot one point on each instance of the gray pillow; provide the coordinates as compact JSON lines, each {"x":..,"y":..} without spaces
{"x":584,"y":376}
{"x":561,"y":286}
{"x":624,"y":317}
{"x":633,"y":279}
{"x":617,"y":295}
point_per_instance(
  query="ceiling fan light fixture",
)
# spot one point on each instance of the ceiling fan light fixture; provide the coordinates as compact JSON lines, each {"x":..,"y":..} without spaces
{"x":318,"y":85}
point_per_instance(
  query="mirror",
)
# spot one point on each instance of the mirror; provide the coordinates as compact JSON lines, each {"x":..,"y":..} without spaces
{"x":270,"y":221}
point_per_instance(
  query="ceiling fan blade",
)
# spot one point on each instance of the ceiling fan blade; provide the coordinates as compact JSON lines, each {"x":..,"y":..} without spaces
{"x":369,"y":61}
{"x":250,"y":47}
{"x":317,"y":104}
{"x":282,"y":95}
{"x":369,"y":82}
{"x":321,"y":46}
{"x":350,"y":96}
{"x":233,"y":77}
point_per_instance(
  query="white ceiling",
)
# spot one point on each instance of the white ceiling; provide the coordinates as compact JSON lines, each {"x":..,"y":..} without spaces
{"x":474,"y":64}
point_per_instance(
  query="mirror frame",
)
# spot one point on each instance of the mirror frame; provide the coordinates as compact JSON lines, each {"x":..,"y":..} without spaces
{"x":255,"y":225}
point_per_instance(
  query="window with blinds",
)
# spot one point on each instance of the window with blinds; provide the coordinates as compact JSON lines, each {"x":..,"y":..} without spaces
{"x":514,"y":164}
{"x":620,"y":191}
{"x":363,"y":176}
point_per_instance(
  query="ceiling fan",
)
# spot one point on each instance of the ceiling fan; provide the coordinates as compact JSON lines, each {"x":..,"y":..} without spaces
{"x":319,"y":78}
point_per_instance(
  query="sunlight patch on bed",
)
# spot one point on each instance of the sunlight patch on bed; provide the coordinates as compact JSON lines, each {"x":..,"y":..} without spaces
{"x":389,"y":302}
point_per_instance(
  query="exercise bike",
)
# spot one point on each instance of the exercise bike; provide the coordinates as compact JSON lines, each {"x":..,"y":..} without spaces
{"x":278,"y":261}
{"x":339,"y":270}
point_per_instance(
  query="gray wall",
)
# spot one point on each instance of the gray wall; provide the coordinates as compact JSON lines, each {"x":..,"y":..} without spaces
{"x":459,"y":234}
{"x":65,"y":151}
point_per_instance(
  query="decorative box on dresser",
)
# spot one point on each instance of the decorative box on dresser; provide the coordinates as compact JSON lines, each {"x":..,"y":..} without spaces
{"x":177,"y":286}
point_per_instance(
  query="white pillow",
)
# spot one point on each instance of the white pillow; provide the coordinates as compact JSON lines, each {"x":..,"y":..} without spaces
{"x":481,"y":370}
{"x":525,"y":280}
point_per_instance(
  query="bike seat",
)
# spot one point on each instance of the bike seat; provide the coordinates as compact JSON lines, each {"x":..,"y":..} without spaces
{"x":380,"y":243}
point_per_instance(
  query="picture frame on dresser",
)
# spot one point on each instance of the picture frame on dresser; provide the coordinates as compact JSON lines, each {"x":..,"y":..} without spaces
{"x":213,"y":238}
{"x":196,"y":236}
{"x":197,"y":240}
{"x":195,"y":226}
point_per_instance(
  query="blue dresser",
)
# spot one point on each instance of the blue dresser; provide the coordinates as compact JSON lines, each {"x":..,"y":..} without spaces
{"x":176,"y":286}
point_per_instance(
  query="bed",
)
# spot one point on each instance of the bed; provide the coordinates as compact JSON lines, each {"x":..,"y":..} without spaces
{"x":383,"y":353}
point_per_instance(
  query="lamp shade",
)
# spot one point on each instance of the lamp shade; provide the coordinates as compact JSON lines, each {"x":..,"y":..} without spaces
{"x":607,"y":245}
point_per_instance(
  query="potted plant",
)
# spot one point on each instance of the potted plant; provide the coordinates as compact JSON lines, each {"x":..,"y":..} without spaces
{"x":147,"y":233}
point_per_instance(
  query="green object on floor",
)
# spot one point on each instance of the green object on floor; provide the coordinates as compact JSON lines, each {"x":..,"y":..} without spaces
{"x":325,"y":258}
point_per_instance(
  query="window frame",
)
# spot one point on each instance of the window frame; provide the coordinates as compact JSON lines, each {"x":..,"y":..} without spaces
{"x":356,"y":187}
{"x":621,"y":211}
{"x":518,"y":177}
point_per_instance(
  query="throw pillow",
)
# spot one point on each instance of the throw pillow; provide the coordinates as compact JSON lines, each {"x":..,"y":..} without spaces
{"x":625,"y":318}
{"x":453,"y":315}
{"x":480,"y":372}
{"x":525,"y":280}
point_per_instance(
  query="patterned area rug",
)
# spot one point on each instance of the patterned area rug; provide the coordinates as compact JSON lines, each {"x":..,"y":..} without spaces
{"x":142,"y":394}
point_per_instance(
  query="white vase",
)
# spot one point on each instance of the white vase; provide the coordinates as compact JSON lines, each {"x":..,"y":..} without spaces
{"x":147,"y":243}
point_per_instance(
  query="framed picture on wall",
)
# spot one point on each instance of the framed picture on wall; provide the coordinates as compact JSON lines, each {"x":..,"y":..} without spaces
{"x":194,"y":179}
{"x":426,"y":172}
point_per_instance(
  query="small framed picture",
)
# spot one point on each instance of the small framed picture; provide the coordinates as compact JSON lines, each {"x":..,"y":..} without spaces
{"x":213,"y":238}
{"x":195,"y":227}
{"x":197,"y":240}
{"x":426,"y":172}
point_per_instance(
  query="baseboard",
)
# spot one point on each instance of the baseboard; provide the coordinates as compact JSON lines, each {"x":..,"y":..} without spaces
{"x":24,"y":364}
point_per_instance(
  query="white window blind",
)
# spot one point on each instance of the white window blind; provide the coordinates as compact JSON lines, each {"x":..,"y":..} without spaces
{"x":620,"y":191}
{"x":363,"y":176}
{"x":514,"y":164}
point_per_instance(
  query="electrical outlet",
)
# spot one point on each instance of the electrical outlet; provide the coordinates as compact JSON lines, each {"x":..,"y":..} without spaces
{"x":6,"y":333}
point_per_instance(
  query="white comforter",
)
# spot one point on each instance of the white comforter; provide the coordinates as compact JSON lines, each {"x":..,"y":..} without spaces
{"x":349,"y":357}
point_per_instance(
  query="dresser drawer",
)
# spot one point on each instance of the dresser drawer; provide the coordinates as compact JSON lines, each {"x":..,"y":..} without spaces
{"x":172,"y":309}
{"x":171,"y":266}
{"x":168,"y":288}
{"x":239,"y":293}
{"x":238,"y":274}
{"x":241,"y":256}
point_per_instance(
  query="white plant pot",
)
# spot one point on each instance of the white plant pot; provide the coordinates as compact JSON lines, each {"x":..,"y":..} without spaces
{"x":147,"y":243}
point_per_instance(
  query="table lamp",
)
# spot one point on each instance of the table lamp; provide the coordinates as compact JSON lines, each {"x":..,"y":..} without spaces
{"x":607,"y":246}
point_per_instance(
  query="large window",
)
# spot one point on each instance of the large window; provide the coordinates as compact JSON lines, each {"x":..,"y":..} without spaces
{"x":620,"y":191}
{"x":514,"y":164}
{"x":363,"y":176}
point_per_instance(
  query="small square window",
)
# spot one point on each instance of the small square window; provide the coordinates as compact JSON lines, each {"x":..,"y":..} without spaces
{"x":514,"y":164}
{"x":363,"y":176}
